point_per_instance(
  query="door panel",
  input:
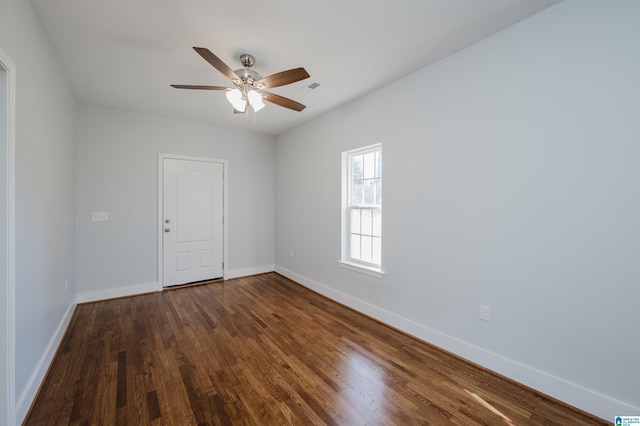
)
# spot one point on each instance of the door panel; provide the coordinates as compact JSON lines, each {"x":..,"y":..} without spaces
{"x":193,"y":209}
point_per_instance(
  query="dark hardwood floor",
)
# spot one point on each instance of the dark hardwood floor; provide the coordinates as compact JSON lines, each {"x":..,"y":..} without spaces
{"x":263,"y":350}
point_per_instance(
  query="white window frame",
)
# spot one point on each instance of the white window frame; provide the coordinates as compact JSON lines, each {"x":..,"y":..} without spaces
{"x":346,"y":261}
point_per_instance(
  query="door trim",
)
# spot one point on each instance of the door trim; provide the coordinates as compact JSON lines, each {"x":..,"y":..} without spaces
{"x":8,"y":144}
{"x":161,"y":158}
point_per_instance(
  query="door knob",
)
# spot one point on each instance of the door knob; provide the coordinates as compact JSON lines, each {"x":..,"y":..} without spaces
{"x":167,"y":221}
{"x":167,"y":229}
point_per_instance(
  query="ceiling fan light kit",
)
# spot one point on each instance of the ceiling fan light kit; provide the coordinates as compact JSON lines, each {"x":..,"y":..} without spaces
{"x":234,"y":96}
{"x":255,"y":99}
{"x":249,"y":85}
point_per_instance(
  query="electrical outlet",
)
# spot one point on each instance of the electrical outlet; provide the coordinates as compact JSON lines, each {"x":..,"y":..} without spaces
{"x":484,"y":313}
{"x":66,"y":285}
{"x":99,"y":216}
{"x":291,"y":254}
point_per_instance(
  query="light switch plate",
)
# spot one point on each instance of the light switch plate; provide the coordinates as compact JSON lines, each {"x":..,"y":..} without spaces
{"x":485,"y":313}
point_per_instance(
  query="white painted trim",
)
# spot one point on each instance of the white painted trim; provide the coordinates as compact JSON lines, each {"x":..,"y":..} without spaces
{"x":585,"y":399}
{"x":345,"y":260}
{"x":113,"y":293}
{"x":245,"y":272}
{"x":225,"y":198}
{"x":31,"y":389}
{"x":373,"y":272}
{"x":9,"y":67}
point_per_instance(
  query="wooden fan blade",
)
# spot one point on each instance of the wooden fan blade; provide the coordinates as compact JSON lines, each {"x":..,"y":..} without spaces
{"x":216,"y":63}
{"x":282,"y":101}
{"x":282,"y":78}
{"x":189,"y":86}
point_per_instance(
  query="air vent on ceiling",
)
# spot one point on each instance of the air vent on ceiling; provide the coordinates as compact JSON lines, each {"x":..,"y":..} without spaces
{"x":313,"y":85}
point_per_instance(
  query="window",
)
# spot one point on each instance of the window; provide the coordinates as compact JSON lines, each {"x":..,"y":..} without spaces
{"x":362,"y":209}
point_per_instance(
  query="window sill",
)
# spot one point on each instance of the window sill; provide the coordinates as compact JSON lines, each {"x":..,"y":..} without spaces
{"x":367,"y":270}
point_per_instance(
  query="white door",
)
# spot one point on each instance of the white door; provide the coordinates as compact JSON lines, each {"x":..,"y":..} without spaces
{"x":193,"y":206}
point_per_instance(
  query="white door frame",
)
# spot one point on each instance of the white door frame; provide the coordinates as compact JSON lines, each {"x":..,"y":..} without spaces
{"x":7,"y":145}
{"x":161,"y":158}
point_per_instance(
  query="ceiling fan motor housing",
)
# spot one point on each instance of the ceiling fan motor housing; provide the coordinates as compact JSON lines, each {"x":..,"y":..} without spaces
{"x":246,"y":74}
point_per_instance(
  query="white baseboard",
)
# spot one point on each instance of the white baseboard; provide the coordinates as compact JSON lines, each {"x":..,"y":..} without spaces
{"x":112,"y":293}
{"x":585,"y":399}
{"x":245,"y":272}
{"x":132,"y":290}
{"x":26,"y":398}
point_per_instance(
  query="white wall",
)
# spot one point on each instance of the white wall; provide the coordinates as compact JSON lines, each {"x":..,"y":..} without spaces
{"x":7,"y":243}
{"x":44,"y":192}
{"x":117,"y":171}
{"x":513,"y":184}
{"x":511,"y":180}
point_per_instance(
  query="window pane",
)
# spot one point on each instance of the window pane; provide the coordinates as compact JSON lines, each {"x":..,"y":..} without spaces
{"x":357,"y":193}
{"x":365,"y":253}
{"x":369,"y":165}
{"x":355,"y":247}
{"x":356,"y":168}
{"x":376,"y":255}
{"x":377,"y":223}
{"x":367,"y":222}
{"x":369,"y":192}
{"x":355,"y":221}
{"x":379,"y":191}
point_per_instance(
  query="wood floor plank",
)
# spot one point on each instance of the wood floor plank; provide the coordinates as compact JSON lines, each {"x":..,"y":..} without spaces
{"x":264,"y":350}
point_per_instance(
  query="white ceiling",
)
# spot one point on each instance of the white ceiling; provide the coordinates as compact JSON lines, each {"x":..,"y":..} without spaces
{"x":126,"y":53}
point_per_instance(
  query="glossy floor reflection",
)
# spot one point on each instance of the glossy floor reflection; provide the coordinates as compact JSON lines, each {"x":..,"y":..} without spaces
{"x":263,"y":350}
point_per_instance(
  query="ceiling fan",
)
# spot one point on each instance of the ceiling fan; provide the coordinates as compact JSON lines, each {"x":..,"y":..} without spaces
{"x":249,"y":85}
